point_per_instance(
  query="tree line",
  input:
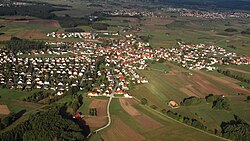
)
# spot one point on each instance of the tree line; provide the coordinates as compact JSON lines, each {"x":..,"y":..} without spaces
{"x":189,"y":121}
{"x":8,"y":120}
{"x":236,"y":75}
{"x":218,"y":102}
{"x":16,"y":44}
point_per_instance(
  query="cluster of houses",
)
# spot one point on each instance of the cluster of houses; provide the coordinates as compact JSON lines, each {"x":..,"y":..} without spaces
{"x":81,"y":35}
{"x":212,"y":14}
{"x":97,"y":69}
{"x":58,"y":74}
{"x":203,"y":56}
{"x":130,"y":12}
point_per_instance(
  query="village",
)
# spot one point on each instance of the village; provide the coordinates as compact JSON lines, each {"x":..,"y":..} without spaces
{"x":130,"y":12}
{"x":91,"y":67}
{"x":212,"y":14}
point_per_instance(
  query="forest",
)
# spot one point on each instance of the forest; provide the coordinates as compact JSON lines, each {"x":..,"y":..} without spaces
{"x":236,"y":129}
{"x":53,"y":124}
{"x":16,"y":44}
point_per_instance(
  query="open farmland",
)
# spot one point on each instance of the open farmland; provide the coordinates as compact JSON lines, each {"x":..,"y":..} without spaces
{"x":198,"y":84}
{"x":193,"y":30}
{"x":171,"y":129}
{"x":144,"y":120}
{"x":101,"y":118}
{"x":159,"y":68}
{"x":28,"y":28}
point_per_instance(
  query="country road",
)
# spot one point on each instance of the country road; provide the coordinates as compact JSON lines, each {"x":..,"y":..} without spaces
{"x":108,"y":112}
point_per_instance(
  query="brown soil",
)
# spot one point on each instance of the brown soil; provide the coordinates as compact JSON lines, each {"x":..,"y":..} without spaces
{"x":100,"y":105}
{"x":95,"y":122}
{"x":127,"y":106}
{"x":141,"y":118}
{"x":148,"y":122}
{"x":4,"y":110}
{"x":226,"y":83}
{"x":119,"y":131}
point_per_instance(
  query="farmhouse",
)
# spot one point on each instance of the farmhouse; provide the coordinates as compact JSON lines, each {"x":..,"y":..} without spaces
{"x":173,"y":104}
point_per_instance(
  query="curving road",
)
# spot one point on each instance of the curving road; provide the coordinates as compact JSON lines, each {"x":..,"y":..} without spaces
{"x":108,"y":112}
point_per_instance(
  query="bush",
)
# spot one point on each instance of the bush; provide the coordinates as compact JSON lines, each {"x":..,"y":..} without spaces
{"x":231,"y":30}
{"x":211,"y":98}
{"x":246,"y":32}
{"x":221,"y":103}
{"x":144,"y":101}
{"x":191,"y":101}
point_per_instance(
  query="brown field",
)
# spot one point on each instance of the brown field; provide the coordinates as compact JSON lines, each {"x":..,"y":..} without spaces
{"x":127,"y":106}
{"x":233,"y":86}
{"x":101,"y":118}
{"x":4,"y":110}
{"x":100,"y":105}
{"x":119,"y":131}
{"x":95,"y":122}
{"x":195,"y":85}
{"x":141,"y":118}
{"x":52,"y":23}
{"x":148,"y":122}
{"x":204,"y":87}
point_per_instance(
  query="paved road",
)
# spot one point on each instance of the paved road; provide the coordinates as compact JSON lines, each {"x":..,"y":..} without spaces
{"x":108,"y":112}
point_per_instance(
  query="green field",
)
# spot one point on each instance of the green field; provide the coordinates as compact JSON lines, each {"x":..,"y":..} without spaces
{"x":193,"y":30}
{"x":172,"y":130}
{"x":9,"y":97}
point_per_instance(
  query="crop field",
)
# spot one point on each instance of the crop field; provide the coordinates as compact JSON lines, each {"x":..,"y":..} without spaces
{"x":193,"y":30}
{"x":124,"y":124}
{"x":101,"y":118}
{"x":30,"y":28}
{"x":163,"y":87}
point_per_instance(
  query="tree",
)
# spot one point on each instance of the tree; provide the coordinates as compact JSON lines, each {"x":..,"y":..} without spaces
{"x":144,"y":101}
{"x":191,"y":101}
{"x":211,"y":98}
{"x":221,"y":103}
{"x":49,"y":125}
{"x":236,"y":129}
